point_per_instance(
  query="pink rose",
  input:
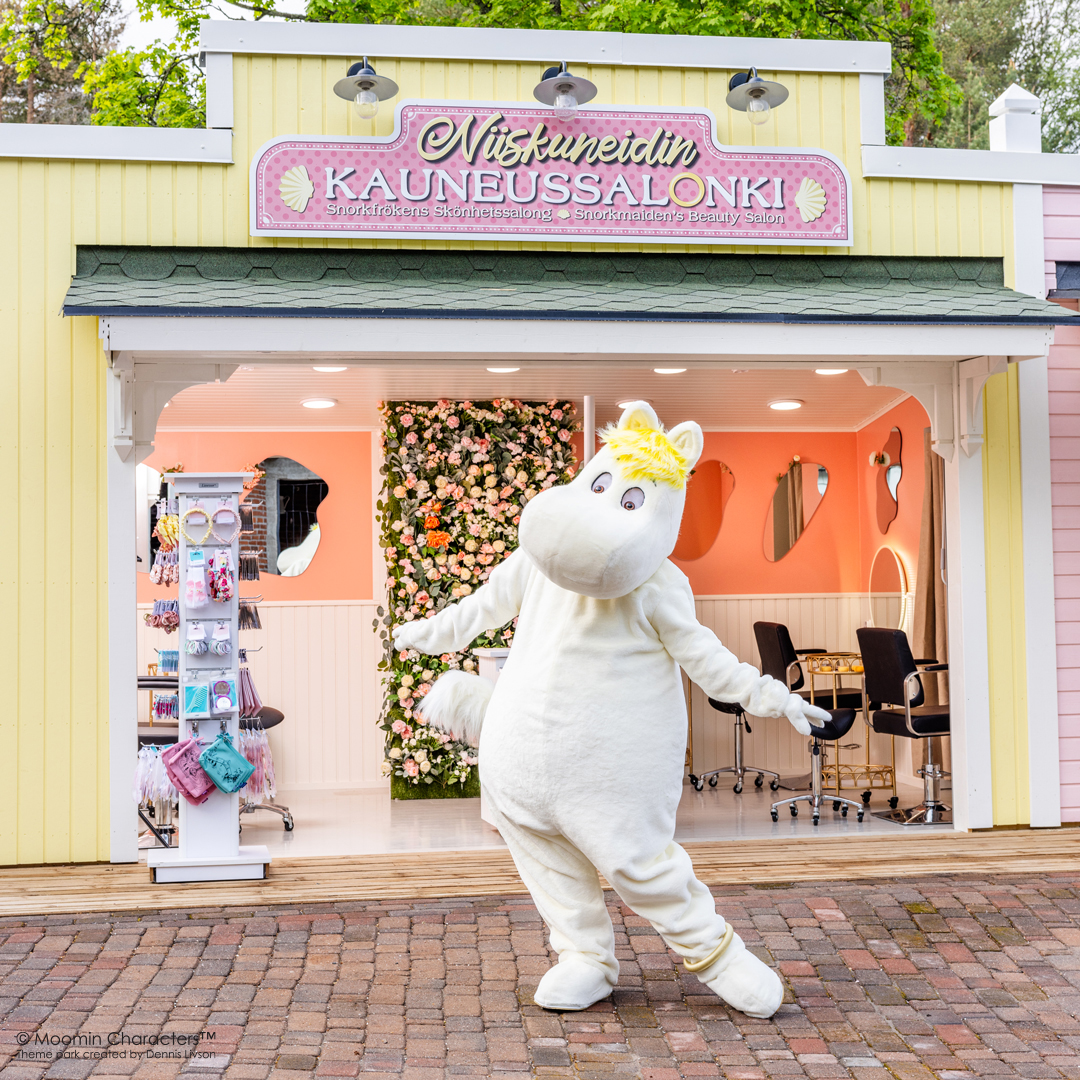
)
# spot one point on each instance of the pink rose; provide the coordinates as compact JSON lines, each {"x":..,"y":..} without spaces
{"x":556,"y":414}
{"x":410,"y":768}
{"x":406,"y":420}
{"x":452,"y":422}
{"x":564,"y":435}
{"x":398,"y":727}
{"x":421,"y":597}
{"x":411,"y":438}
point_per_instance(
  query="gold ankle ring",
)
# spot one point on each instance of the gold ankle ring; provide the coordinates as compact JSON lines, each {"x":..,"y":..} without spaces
{"x":700,"y":965}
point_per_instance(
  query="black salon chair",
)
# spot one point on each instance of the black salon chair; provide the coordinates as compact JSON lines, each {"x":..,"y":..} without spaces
{"x":266,"y":719}
{"x":894,"y":695}
{"x":780,"y":659}
{"x":836,"y":727}
{"x":739,"y":769}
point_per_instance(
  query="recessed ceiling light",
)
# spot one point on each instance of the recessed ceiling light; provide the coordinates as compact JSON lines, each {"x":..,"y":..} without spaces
{"x":502,"y":370}
{"x":785,"y":405}
{"x":830,"y":371}
{"x":319,"y":403}
{"x":330,"y":369}
{"x":669,"y":370}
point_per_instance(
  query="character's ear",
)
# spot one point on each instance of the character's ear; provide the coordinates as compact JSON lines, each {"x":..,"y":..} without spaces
{"x":638,"y":414}
{"x":688,"y":440}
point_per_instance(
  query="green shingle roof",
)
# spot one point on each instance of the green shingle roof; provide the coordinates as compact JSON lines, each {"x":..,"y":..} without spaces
{"x":541,"y":285}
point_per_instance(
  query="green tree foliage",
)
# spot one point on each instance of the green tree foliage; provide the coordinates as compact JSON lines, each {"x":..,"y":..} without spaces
{"x":45,"y":46}
{"x":919,"y":85}
{"x":986,"y":46}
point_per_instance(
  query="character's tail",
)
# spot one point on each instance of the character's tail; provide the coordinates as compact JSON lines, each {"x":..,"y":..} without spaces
{"x":457,"y":703}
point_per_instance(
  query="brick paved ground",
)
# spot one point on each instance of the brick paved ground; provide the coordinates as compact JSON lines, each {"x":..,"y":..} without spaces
{"x":946,"y":976}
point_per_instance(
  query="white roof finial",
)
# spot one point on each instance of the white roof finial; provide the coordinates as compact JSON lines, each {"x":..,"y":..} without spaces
{"x":1016,"y":100}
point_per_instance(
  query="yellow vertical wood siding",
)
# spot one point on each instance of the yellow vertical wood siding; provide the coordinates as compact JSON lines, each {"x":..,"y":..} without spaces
{"x":1005,"y":600}
{"x":53,"y":587}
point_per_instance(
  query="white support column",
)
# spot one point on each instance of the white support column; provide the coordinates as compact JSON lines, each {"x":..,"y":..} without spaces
{"x":123,"y":695}
{"x":588,"y":429}
{"x":1017,"y":127}
{"x":969,"y":672}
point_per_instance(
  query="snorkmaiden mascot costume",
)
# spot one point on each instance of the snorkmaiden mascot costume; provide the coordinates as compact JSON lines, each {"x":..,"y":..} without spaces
{"x":584,"y":735}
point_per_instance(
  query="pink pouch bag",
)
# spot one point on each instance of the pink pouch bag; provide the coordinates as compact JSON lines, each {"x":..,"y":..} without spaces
{"x":181,"y":762}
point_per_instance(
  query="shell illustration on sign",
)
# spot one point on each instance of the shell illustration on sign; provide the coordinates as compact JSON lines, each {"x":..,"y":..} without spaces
{"x":810,"y":199}
{"x":296,"y":189}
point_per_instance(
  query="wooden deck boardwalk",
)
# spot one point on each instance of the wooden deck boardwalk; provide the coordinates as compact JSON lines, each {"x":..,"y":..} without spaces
{"x":490,"y":872}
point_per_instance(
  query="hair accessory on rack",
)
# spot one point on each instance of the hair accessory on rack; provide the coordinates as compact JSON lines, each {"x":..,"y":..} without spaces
{"x":250,"y":702}
{"x":168,"y":661}
{"x":233,"y":520}
{"x":196,"y":701}
{"x":221,"y":643}
{"x":249,"y":566}
{"x":223,"y":695}
{"x":196,"y":639}
{"x":222,"y":579}
{"x":247,"y":519}
{"x":167,"y":531}
{"x":165,"y":615}
{"x":248,"y":618}
{"x":195,"y":591}
{"x":196,"y":509}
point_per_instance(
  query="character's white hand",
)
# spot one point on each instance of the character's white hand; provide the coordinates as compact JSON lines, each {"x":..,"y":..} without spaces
{"x":411,"y":635}
{"x":800,"y":712}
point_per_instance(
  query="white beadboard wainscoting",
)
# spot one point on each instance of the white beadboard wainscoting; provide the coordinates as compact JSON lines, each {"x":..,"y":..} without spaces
{"x":319,"y":666}
{"x":814,"y":620}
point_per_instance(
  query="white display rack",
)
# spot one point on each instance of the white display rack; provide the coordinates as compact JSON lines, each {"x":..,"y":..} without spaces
{"x":209,"y":848}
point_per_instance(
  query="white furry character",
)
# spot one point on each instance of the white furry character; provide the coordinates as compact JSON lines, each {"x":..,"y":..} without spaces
{"x":583,"y":737}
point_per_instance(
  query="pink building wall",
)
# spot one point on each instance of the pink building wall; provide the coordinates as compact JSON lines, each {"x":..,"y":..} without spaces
{"x":1061,"y":223}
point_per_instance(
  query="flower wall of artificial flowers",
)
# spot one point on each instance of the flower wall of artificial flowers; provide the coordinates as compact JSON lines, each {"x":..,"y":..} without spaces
{"x":457,"y":475}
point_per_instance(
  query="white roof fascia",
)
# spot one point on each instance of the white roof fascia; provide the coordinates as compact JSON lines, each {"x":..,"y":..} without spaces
{"x":542,"y":46}
{"x":987,"y":166}
{"x":87,"y":142}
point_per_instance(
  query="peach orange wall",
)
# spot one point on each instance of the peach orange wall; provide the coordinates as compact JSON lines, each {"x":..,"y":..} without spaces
{"x":826,"y":558}
{"x":837,"y":550}
{"x":903,"y":534}
{"x":341,"y":569}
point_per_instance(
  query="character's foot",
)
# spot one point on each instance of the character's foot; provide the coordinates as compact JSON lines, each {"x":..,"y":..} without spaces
{"x":572,"y":985}
{"x":744,"y":982}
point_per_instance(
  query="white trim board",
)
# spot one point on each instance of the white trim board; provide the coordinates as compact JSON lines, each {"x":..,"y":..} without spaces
{"x":267,"y":338}
{"x":544,"y":47}
{"x":976,"y":166}
{"x":87,"y":142}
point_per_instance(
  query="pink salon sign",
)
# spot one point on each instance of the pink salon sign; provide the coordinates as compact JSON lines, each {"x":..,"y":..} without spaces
{"x":513,"y":172}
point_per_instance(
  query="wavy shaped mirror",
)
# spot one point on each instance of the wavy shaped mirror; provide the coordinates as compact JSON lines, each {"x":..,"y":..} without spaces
{"x":707,"y":493}
{"x":887,"y":590}
{"x":798,"y":494}
{"x":284,"y":505}
{"x":890,"y":470}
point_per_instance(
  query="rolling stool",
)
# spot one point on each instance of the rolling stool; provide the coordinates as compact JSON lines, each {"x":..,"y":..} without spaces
{"x":736,"y":710}
{"x":835,"y":728}
{"x":267,"y":719}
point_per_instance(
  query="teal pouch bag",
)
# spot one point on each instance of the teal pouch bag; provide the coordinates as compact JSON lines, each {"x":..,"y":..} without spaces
{"x":225,"y":765}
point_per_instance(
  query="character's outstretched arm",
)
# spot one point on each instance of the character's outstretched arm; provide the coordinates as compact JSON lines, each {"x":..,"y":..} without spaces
{"x":494,"y":604}
{"x":716,"y":670}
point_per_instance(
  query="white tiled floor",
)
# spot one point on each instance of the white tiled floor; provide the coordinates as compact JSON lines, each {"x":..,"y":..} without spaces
{"x":366,"y":821}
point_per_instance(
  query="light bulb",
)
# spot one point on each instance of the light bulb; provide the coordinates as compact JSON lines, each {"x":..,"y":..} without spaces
{"x":757,"y":110}
{"x":565,"y":103}
{"x":367,"y":104}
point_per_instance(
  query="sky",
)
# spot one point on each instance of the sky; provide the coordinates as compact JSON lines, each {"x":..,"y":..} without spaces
{"x":138,"y":34}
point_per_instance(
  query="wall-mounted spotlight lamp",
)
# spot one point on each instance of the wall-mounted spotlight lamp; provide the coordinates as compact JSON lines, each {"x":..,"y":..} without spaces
{"x":749,"y":93}
{"x":365,"y":89}
{"x":565,"y":92}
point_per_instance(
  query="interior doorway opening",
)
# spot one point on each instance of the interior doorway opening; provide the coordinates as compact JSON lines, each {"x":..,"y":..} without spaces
{"x":317,"y":658}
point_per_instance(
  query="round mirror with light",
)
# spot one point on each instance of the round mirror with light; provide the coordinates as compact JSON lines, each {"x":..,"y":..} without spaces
{"x":707,"y":493}
{"x":798,"y":494}
{"x":888,"y":589}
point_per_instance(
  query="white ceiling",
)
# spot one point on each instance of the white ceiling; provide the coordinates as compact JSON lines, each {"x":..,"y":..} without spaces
{"x":268,"y":397}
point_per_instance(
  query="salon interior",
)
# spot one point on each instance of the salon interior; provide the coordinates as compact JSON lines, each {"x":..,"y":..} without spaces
{"x":813,"y":514}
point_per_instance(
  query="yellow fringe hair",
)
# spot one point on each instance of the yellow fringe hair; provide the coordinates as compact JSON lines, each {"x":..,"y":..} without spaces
{"x":647,"y":454}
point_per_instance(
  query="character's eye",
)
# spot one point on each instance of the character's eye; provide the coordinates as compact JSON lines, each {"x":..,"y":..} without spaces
{"x":632,"y":499}
{"x":602,"y":482}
